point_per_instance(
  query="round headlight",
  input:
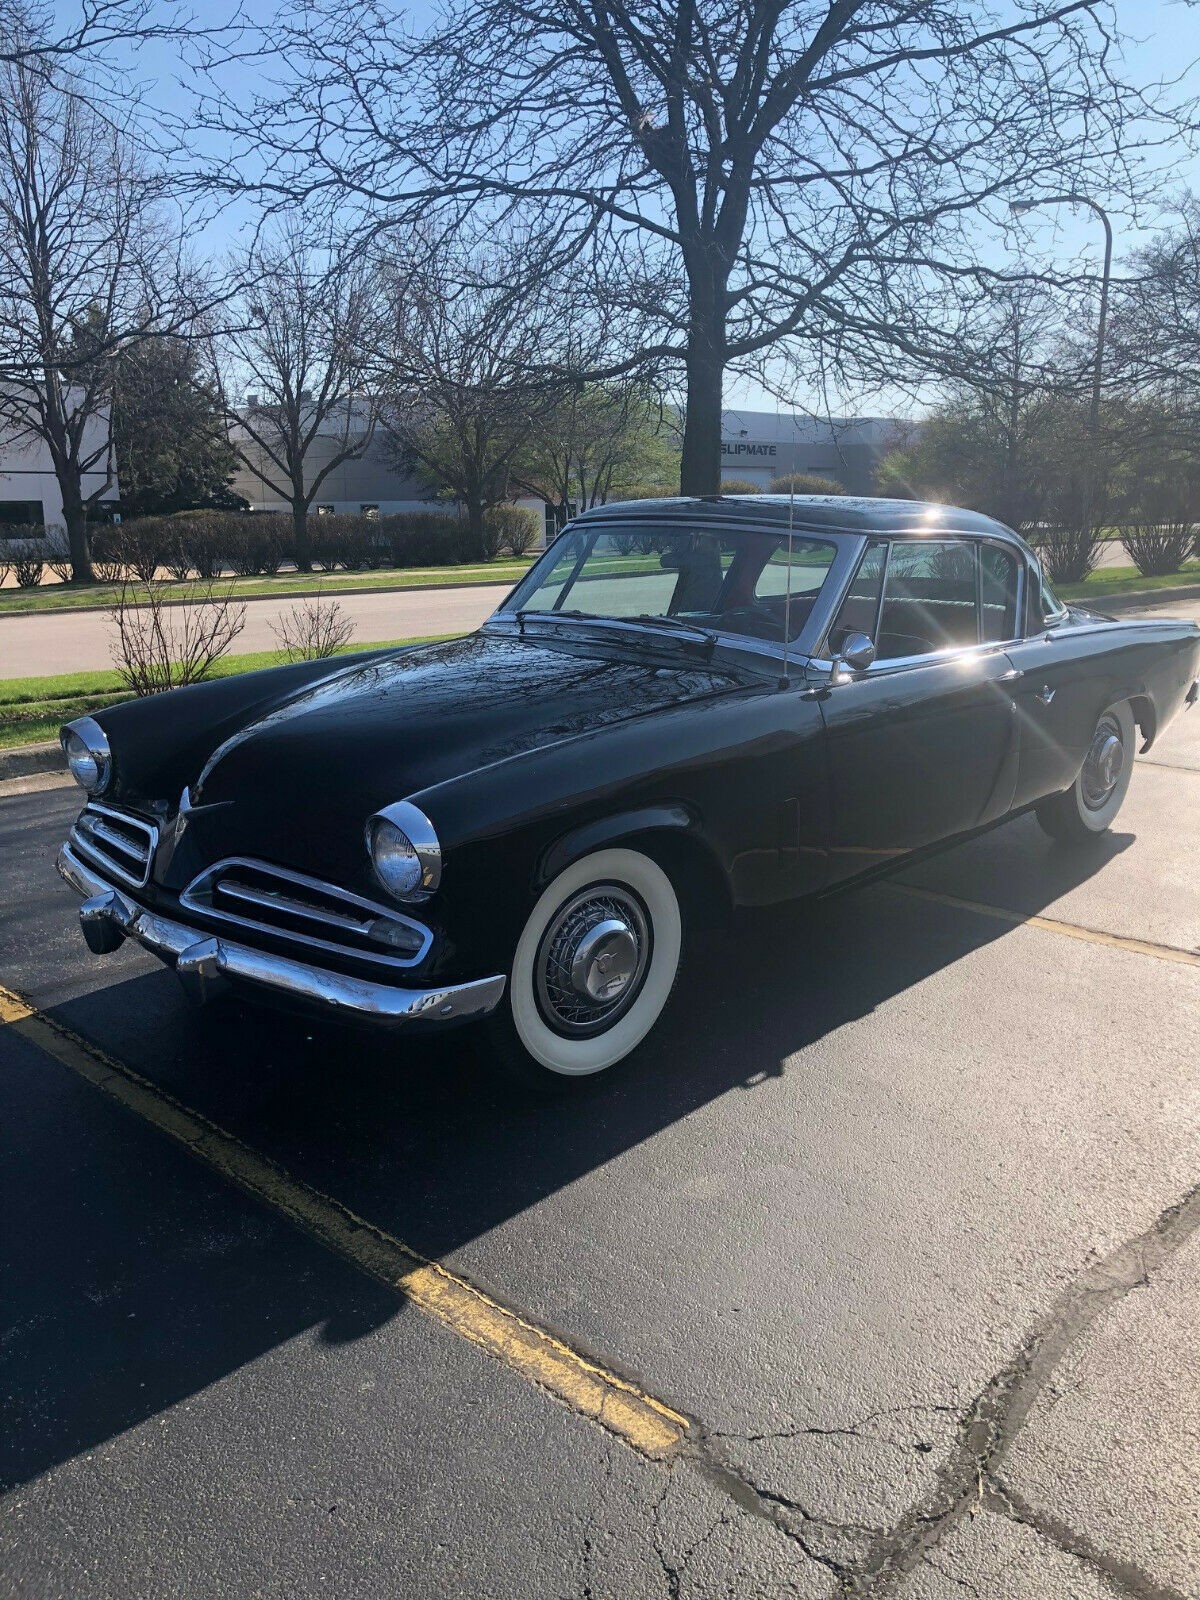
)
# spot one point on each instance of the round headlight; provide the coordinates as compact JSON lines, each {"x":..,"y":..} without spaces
{"x":395,"y":859}
{"x":404,"y":851}
{"x":88,"y":756}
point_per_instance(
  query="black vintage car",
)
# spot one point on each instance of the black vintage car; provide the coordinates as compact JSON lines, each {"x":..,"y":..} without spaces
{"x":686,"y":706}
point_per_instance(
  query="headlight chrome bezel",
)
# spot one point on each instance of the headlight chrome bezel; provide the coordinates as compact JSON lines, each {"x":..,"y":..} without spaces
{"x":417,"y":832}
{"x":85,"y":741}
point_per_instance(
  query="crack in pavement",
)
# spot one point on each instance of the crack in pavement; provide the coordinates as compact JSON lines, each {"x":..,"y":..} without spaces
{"x":1123,"y":1577}
{"x":969,"y":1478}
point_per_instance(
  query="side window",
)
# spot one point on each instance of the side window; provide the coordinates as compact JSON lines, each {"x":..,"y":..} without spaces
{"x":928,"y":599}
{"x":802,"y":576}
{"x":860,"y":608}
{"x":998,"y":593}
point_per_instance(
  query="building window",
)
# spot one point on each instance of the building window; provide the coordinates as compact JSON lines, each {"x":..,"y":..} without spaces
{"x":23,"y":514}
{"x":324,"y":511}
{"x":369,"y":510}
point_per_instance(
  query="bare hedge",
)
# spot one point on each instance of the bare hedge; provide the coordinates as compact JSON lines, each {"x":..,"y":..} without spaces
{"x":207,"y":543}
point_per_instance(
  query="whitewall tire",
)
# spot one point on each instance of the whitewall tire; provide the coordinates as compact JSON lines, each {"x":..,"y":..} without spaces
{"x":1089,"y":806}
{"x":593,"y":969}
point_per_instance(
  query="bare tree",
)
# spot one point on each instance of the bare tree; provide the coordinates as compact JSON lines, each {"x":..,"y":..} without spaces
{"x":166,"y":644}
{"x":299,"y":344}
{"x":739,"y":175}
{"x":89,"y":263}
{"x":42,"y":36}
{"x":600,"y":437}
{"x":313,"y":630}
{"x":462,"y":372}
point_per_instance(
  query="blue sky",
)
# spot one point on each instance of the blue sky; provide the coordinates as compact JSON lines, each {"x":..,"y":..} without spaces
{"x":1165,"y":43}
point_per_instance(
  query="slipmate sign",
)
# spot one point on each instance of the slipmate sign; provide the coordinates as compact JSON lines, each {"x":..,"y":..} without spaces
{"x":744,"y":449}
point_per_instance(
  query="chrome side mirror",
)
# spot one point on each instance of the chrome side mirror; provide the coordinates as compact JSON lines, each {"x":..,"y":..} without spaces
{"x":856,"y":655}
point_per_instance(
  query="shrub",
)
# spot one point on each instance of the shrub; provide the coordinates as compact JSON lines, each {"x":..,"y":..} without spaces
{"x":645,"y":491}
{"x":313,"y":630}
{"x":511,"y":528}
{"x":340,"y":540}
{"x":199,"y":538}
{"x":144,"y":543}
{"x":58,"y":553}
{"x":162,"y":646}
{"x":739,"y":486}
{"x":1068,"y":553}
{"x":253,"y":545}
{"x":25,"y":548}
{"x":105,"y":544}
{"x":1156,"y":549}
{"x":804,"y":483}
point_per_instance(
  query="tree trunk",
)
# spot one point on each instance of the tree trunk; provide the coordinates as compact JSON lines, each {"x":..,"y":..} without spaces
{"x":475,"y":512}
{"x":700,"y":468}
{"x":301,"y":543}
{"x":75,"y":519}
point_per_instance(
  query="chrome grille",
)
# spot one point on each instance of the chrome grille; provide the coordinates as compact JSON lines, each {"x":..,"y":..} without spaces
{"x":320,"y":916}
{"x":119,"y":844}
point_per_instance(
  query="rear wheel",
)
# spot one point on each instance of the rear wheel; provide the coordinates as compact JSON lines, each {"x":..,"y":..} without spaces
{"x":593,"y":970}
{"x":1088,"y":807}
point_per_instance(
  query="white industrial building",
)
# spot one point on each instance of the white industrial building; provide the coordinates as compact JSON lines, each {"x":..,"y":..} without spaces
{"x":757,"y":446}
{"x":29,"y":492}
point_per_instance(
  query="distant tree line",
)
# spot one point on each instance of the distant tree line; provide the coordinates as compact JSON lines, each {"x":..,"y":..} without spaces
{"x":1012,"y":434}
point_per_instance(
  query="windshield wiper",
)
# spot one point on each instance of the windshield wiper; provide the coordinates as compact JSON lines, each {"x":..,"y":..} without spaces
{"x":701,"y":635}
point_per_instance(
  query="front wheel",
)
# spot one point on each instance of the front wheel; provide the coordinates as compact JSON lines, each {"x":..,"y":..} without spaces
{"x":593,"y":970}
{"x":1093,"y":800}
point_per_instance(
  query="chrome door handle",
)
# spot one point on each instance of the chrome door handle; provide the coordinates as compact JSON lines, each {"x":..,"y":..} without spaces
{"x":1045,"y":694}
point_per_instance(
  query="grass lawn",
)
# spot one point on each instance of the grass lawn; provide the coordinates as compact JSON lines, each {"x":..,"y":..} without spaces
{"x":33,"y":709}
{"x":65,"y":597}
{"x":1117,"y":580}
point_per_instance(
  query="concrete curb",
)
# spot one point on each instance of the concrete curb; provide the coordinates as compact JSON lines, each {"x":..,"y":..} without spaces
{"x":24,"y":759}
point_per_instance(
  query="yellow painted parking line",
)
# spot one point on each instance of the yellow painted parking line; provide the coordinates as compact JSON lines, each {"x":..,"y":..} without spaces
{"x":1068,"y":930}
{"x":536,"y":1355}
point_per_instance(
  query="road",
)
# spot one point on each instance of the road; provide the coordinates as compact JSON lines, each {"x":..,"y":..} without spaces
{"x":899,"y":1207}
{"x":81,"y":641}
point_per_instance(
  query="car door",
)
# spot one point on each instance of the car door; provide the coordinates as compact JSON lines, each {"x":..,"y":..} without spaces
{"x":1055,"y":696}
{"x":922,"y":744}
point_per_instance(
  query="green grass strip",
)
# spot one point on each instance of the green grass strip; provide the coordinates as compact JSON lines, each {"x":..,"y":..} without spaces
{"x":33,"y":709}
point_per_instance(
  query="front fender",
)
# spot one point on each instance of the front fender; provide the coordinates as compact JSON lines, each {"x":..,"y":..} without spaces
{"x":616,"y":828}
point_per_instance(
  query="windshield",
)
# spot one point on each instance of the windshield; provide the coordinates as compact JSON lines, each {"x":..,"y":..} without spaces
{"x":732,"y":583}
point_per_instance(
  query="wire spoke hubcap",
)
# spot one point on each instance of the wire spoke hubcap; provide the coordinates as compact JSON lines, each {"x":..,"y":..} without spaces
{"x":1105,"y":763}
{"x":592,"y":959}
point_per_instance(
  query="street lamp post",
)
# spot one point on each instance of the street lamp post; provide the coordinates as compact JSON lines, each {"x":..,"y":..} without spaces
{"x":1018,"y":208}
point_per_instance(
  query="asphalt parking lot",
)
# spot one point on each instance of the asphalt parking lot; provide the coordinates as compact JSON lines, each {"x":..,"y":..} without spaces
{"x":898,"y":1212}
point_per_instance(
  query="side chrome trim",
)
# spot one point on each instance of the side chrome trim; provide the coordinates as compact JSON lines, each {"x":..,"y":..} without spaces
{"x":206,"y":964}
{"x":192,"y":900}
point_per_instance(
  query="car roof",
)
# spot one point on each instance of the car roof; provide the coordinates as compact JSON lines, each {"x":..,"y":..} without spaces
{"x":812,"y":512}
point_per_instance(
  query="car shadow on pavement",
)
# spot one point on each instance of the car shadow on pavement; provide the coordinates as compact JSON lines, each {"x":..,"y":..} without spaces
{"x":415,"y":1135}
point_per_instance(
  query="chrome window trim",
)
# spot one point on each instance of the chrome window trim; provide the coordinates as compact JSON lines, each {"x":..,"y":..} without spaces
{"x":99,"y":859}
{"x":824,"y":664}
{"x":388,"y":913}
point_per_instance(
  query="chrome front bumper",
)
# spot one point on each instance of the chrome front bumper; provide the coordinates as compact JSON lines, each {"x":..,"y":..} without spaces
{"x":206,"y":965}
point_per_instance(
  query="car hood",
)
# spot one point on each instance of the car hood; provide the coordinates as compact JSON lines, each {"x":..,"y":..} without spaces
{"x":400,"y":723}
